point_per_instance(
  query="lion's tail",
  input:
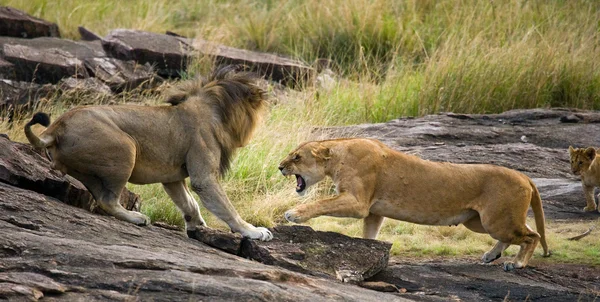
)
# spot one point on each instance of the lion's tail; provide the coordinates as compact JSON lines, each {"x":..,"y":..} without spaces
{"x":44,"y":120}
{"x":538,"y":214}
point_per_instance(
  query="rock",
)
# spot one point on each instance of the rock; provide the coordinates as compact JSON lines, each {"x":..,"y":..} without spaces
{"x":7,"y":70}
{"x":270,"y":66}
{"x":17,"y":97}
{"x":571,"y":118}
{"x":170,"y":54}
{"x":167,"y":53}
{"x":78,"y":256}
{"x":22,"y":167}
{"x":301,"y":249}
{"x":43,"y":65}
{"x":463,"y":280}
{"x":496,"y":139}
{"x":122,"y":75}
{"x":51,"y":60}
{"x":79,"y":49}
{"x":379,"y":286}
{"x":87,"y":35}
{"x":16,"y":23}
{"x":227,"y":242}
{"x":88,"y":86}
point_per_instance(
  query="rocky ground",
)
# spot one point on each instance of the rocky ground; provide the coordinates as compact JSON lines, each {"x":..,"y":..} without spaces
{"x":56,"y":251}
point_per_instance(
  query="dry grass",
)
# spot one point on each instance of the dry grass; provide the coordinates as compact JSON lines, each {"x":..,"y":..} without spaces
{"x":396,"y":58}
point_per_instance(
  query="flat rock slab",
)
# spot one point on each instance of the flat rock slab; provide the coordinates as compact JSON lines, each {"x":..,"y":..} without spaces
{"x":168,"y":54}
{"x":533,"y":141}
{"x":63,"y":253}
{"x":16,"y":23}
{"x":22,"y":167}
{"x":43,"y":65}
{"x":461,"y":281}
{"x":270,"y":66}
{"x":302,"y":249}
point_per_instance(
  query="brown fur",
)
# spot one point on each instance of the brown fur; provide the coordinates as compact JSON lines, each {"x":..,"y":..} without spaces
{"x":585,"y":162}
{"x":374,"y":181}
{"x":107,"y":146}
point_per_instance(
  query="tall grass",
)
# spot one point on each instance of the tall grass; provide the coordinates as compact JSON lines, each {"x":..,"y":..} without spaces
{"x":394,"y":58}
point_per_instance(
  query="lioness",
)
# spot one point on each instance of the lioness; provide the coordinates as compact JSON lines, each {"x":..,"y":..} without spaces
{"x":105,"y":147}
{"x":373,"y":181}
{"x":585,"y":162}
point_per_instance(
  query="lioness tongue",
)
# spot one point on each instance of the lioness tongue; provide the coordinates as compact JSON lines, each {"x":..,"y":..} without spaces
{"x":299,"y":183}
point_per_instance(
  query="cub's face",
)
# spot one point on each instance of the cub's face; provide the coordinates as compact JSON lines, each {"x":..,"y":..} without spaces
{"x":307,"y":163}
{"x":581,"y":159}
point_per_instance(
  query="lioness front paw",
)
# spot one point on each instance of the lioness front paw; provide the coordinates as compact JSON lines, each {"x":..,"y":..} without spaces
{"x":260,"y":233}
{"x":589,"y":209}
{"x":293,"y":216}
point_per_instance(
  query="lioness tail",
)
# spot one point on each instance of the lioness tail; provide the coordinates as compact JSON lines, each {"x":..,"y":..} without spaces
{"x":38,"y":118}
{"x":538,"y":214}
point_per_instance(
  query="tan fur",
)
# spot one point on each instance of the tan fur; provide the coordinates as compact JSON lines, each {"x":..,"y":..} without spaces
{"x":107,"y":146}
{"x":373,"y":181}
{"x":585,"y":162}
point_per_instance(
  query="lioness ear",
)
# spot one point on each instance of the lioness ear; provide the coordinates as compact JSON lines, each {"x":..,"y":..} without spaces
{"x":571,"y":150}
{"x":321,"y":152}
{"x":590,"y":153}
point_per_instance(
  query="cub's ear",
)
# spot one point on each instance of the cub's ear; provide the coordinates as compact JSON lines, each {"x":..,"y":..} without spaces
{"x":571,"y":150}
{"x":590,"y":153}
{"x":321,"y":152}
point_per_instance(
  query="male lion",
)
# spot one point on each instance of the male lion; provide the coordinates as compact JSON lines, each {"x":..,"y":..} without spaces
{"x":373,"y":181}
{"x":105,"y":147}
{"x":585,"y":162}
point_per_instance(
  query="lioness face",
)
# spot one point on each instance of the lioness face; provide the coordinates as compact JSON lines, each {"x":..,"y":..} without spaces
{"x":307,"y":163}
{"x":581,"y":159}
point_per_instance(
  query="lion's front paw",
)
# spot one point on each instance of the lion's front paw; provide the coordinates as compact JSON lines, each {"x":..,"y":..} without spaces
{"x":293,"y":216}
{"x":260,"y":233}
{"x":589,"y":208}
{"x":139,"y":219}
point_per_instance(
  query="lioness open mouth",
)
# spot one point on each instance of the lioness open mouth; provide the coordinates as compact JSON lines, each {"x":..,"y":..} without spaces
{"x":300,"y":183}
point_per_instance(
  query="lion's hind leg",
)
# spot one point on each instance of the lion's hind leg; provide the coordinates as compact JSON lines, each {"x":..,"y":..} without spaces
{"x":107,"y":193}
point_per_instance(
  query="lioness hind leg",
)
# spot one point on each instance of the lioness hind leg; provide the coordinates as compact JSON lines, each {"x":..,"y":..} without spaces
{"x":186,"y":203}
{"x":371,"y":225}
{"x":474,"y":224}
{"x":528,"y":243}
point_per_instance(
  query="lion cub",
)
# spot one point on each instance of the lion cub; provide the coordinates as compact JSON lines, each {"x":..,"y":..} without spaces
{"x":585,"y":162}
{"x":374,"y":181}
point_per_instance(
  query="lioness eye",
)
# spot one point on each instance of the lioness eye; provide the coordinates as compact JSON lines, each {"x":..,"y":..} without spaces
{"x":296,"y":157}
{"x":580,"y":163}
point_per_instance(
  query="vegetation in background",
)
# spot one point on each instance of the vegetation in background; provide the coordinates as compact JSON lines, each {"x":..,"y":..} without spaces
{"x":395,"y":58}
